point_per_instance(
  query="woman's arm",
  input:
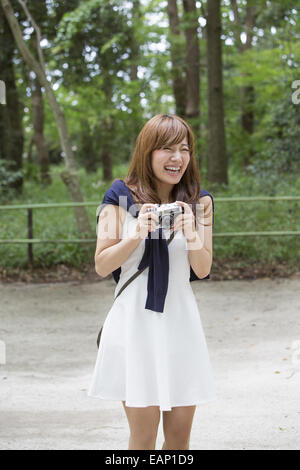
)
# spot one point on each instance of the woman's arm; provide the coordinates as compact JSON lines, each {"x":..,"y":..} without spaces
{"x":200,"y":246}
{"x":111,"y":251}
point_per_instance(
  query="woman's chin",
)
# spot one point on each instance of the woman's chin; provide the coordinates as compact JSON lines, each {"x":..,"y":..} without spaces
{"x":171,"y":179}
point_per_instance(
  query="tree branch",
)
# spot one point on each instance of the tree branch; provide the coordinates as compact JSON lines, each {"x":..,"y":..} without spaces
{"x":28,"y":57}
{"x":2,"y":92}
{"x":37,"y":30}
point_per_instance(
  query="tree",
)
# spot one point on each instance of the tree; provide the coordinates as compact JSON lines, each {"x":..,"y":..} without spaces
{"x":217,"y":158}
{"x":185,"y":58}
{"x":177,"y":58}
{"x":38,"y":138}
{"x":11,"y":130}
{"x":69,"y":175}
{"x":101,"y":32}
{"x":247,"y":92}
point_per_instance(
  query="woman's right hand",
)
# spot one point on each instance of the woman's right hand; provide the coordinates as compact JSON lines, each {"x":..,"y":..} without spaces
{"x":147,"y":221}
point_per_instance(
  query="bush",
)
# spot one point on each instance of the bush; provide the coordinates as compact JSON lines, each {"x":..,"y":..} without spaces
{"x":7,"y":177}
{"x":281,"y":154}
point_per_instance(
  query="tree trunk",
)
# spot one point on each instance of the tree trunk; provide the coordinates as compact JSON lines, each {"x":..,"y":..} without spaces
{"x":88,"y":158}
{"x":192,"y":60}
{"x":12,"y":138}
{"x":177,"y":59}
{"x":135,"y":104}
{"x":217,"y":158}
{"x":69,"y":175}
{"x":39,"y":140}
{"x":247,"y":93}
{"x":192,"y":109}
{"x":107,"y":131}
{"x":30,"y":146}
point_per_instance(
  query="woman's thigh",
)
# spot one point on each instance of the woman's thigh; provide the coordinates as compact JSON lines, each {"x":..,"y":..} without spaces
{"x":142,"y":420}
{"x":177,"y":423}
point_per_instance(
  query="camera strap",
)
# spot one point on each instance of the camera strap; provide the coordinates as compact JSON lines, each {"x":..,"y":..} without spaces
{"x":140,"y":271}
{"x":127,"y":283}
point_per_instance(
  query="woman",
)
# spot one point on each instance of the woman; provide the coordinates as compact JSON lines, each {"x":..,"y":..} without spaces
{"x":153,"y":355}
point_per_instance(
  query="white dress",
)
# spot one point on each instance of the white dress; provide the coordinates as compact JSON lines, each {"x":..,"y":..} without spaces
{"x":151,"y":358}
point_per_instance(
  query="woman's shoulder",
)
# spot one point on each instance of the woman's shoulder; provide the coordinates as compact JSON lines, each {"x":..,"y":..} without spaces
{"x":119,"y":188}
{"x":206,"y":198}
{"x":204,"y":193}
{"x":131,"y":188}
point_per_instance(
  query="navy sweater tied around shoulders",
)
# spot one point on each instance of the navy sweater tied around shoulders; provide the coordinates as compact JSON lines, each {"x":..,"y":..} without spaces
{"x":156,"y":254}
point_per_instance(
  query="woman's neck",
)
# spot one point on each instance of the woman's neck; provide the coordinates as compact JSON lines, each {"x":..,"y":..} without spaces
{"x":165,"y":194}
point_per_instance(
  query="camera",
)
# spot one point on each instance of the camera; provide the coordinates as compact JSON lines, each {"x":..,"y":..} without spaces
{"x":167,"y":213}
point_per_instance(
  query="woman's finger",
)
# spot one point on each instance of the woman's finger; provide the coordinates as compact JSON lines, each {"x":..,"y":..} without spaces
{"x":186,"y":206}
{"x":147,"y":206}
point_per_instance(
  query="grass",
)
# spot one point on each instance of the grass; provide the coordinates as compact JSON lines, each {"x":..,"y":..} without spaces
{"x":57,"y":223}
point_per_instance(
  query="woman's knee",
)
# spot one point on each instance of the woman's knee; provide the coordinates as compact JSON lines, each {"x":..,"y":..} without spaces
{"x":177,"y":439}
{"x":177,"y":427}
{"x":142,"y":442}
{"x":146,"y":435}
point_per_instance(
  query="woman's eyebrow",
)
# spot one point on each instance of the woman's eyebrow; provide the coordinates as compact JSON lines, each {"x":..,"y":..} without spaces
{"x":182,"y":145}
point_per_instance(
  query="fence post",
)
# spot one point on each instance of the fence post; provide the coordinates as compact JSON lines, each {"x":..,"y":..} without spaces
{"x":30,"y":236}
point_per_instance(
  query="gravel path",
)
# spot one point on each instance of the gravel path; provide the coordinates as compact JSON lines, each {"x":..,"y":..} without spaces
{"x":253,"y":335}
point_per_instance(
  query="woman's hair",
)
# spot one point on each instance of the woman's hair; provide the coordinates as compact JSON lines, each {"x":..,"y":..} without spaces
{"x":159,"y":131}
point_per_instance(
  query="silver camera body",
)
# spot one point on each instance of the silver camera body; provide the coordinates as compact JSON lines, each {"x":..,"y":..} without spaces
{"x":167,"y":213}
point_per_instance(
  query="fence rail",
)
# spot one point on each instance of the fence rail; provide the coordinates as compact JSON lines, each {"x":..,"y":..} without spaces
{"x":30,"y":207}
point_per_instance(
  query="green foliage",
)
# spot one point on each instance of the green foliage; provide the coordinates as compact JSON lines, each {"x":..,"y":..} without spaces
{"x":59,"y":223}
{"x":280,"y":155}
{"x":94,"y":48}
{"x":32,"y":171}
{"x":258,"y":216}
{"x":7,"y":177}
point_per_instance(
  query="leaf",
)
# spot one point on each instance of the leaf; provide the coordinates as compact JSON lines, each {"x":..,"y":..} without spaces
{"x":108,"y":44}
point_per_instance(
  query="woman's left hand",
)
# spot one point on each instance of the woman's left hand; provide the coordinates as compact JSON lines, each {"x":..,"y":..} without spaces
{"x":185,"y":221}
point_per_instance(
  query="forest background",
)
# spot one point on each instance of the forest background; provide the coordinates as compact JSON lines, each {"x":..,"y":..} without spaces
{"x":82,"y":78}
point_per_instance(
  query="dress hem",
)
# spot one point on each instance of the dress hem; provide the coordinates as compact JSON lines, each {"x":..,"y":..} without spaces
{"x":162,"y":407}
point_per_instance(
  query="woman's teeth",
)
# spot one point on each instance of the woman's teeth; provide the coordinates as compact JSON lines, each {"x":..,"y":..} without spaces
{"x":172,"y":170}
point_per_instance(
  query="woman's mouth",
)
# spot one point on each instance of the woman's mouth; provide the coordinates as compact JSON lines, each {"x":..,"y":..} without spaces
{"x":172,"y":170}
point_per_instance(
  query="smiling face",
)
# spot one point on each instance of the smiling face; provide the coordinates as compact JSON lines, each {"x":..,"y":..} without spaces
{"x":170,"y":162}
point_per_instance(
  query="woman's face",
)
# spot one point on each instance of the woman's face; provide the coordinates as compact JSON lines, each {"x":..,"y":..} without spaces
{"x":175,"y":156}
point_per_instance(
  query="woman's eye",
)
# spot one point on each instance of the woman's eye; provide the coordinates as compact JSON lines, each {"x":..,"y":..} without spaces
{"x":168,"y":148}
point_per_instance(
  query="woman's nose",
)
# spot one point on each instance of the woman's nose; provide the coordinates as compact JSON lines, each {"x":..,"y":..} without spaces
{"x":176,"y":156}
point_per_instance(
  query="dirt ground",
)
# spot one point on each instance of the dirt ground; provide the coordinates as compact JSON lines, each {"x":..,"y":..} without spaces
{"x":222,"y":270}
{"x":49,"y":329}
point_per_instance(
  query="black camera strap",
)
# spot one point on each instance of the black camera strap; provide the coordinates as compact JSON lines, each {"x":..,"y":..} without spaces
{"x":140,"y":271}
{"x":128,"y":282}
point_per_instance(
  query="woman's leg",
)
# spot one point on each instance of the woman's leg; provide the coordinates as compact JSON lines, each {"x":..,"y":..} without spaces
{"x":143,"y":425}
{"x":177,"y":425}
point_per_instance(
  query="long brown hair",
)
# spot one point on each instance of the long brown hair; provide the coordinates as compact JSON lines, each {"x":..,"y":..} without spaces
{"x":161,"y":130}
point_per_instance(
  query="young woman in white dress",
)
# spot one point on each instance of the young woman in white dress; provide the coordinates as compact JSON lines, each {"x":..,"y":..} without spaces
{"x":164,"y":141}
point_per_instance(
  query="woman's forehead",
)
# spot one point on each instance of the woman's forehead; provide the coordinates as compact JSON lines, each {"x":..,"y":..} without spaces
{"x":172,"y":139}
